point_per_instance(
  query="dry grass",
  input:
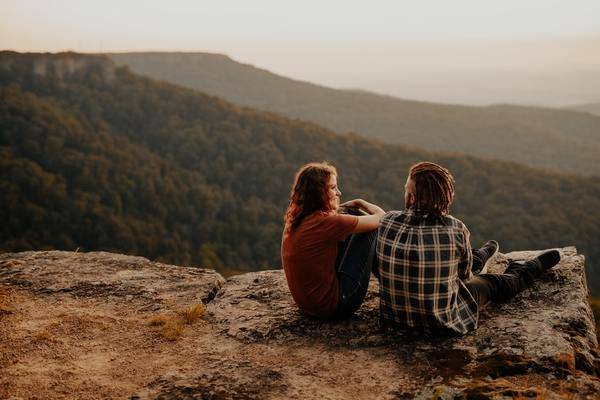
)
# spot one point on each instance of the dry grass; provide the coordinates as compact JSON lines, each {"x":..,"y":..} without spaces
{"x":530,"y":386}
{"x":192,"y":313}
{"x":158,"y":320}
{"x":502,"y":388}
{"x":172,"y":329}
{"x":568,"y":390}
{"x":171,"y":326}
{"x":45,"y":336}
{"x":566,"y":361}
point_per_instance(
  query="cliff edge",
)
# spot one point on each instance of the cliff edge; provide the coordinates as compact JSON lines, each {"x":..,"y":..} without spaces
{"x":102,"y":325}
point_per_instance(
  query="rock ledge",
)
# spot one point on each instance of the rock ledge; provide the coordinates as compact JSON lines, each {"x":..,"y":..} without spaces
{"x":72,"y":324}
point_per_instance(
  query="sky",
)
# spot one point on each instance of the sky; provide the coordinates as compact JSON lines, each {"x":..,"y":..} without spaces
{"x":463,"y":51}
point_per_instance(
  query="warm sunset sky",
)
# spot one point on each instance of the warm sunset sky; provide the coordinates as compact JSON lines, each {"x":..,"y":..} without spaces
{"x":476,"y":52}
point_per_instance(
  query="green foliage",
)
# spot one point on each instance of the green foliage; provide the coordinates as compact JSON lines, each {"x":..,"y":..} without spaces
{"x":557,"y":139}
{"x":98,"y":158}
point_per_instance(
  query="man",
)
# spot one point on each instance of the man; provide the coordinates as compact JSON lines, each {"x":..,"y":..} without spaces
{"x":425,"y":261}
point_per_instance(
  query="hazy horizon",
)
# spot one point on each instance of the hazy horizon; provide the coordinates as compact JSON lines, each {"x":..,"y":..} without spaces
{"x":540,"y":53}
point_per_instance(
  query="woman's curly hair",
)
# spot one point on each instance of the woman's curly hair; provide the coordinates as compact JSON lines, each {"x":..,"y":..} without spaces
{"x":309,"y":193}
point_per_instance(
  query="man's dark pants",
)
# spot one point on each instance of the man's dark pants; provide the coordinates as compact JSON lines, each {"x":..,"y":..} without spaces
{"x":502,"y":287}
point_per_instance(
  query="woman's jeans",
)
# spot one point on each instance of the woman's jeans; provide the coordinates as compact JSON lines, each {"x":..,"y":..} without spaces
{"x":355,"y":261}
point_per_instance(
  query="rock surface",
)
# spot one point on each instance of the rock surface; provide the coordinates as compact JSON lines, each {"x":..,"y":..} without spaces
{"x":81,"y":325}
{"x":101,"y":275}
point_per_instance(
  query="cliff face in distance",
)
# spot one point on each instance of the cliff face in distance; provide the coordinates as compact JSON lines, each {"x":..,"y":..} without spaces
{"x":61,"y":67}
{"x":102,"y":325}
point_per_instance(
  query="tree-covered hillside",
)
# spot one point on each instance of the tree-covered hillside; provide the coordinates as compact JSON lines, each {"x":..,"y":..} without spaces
{"x":560,"y":140}
{"x":95,"y":157}
{"x":592,"y":108}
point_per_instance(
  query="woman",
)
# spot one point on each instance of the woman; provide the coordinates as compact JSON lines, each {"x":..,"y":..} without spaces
{"x":327,"y":268}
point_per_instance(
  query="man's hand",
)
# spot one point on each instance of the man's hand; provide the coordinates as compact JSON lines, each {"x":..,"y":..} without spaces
{"x":356,"y":203}
{"x":361,"y":204}
{"x":368,"y":222}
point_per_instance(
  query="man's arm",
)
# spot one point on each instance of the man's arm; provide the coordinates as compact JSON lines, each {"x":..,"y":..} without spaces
{"x":466,"y":262}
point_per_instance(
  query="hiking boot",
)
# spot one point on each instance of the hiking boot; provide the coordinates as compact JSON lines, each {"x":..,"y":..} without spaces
{"x":548,"y":259}
{"x":543,"y":262}
{"x":483,"y":256}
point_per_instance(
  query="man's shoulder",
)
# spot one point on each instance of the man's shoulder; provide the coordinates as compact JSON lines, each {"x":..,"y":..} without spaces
{"x":394,"y":213}
{"x":403,"y":214}
{"x":415,"y":219}
{"x":454,"y":222}
{"x":393,"y":216}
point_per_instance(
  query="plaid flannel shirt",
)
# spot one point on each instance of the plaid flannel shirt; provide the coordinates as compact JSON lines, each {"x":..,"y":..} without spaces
{"x":423,"y":260}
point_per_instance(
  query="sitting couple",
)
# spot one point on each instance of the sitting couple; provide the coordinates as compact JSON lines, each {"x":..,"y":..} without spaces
{"x":429,"y":278}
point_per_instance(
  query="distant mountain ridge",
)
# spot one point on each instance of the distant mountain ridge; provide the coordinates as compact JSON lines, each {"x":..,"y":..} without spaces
{"x":99,"y":158}
{"x":592,"y":108}
{"x":556,"y":139}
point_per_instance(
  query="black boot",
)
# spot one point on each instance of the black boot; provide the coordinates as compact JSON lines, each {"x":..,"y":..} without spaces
{"x":548,"y":259}
{"x":483,"y":256}
{"x":540,"y":264}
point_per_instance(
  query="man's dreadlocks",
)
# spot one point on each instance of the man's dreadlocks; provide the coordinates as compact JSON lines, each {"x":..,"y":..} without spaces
{"x":434,"y":187}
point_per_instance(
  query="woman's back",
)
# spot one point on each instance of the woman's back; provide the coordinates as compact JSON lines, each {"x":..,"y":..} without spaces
{"x":308,"y":255}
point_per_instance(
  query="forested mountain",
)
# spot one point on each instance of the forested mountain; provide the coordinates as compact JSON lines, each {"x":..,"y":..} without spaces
{"x":556,"y":139}
{"x":95,"y":157}
{"x":592,"y":108}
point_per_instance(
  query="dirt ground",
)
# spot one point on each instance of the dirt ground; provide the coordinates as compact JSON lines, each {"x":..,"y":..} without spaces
{"x":64,"y":347}
{"x":60,"y":346}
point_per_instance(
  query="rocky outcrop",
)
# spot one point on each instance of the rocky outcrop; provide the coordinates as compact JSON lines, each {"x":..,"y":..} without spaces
{"x":145,"y":284}
{"x":89,"y":317}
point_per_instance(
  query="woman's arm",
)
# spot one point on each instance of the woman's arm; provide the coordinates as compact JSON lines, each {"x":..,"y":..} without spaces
{"x":369,"y":208}
{"x":369,"y":222}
